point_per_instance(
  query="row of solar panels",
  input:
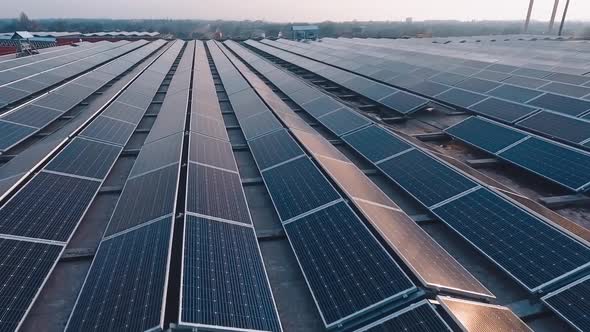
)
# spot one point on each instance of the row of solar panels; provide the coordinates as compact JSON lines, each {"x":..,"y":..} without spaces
{"x":39,"y":220}
{"x":434,"y":267}
{"x":37,"y":81}
{"x":24,"y":122}
{"x":558,"y":163}
{"x":126,"y":283}
{"x":498,"y":227}
{"x":503,"y":102}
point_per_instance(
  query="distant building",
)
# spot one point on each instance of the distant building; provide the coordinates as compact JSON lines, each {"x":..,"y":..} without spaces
{"x":301,"y":32}
{"x":409,"y":20}
{"x":218,"y":35}
{"x":24,"y":43}
{"x":258,"y":34}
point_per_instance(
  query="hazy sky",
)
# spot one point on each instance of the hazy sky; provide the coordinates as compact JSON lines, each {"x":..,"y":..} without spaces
{"x":294,"y":10}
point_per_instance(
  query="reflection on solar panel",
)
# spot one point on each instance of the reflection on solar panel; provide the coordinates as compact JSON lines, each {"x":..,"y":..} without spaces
{"x":569,"y":129}
{"x":429,"y":261}
{"x":259,"y":125}
{"x":85,"y":158}
{"x":419,"y":317}
{"x":502,"y":110}
{"x":346,"y":268}
{"x":224,"y":283}
{"x":561,"y":104}
{"x":157,"y":154}
{"x":321,"y":106}
{"x":484,"y":134}
{"x":25,"y":265}
{"x":32,"y":211}
{"x":426,"y":179}
{"x":274,"y":148}
{"x":474,"y":316}
{"x":126,"y":282}
{"x":461,"y":98}
{"x":567,"y":167}
{"x":298,"y":187}
{"x":521,"y":244}
{"x":145,"y":198}
{"x":216,"y":193}
{"x":571,"y":303}
{"x":209,"y":127}
{"x":375,"y":144}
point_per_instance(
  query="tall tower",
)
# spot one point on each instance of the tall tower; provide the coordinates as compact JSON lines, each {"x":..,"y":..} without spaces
{"x":552,"y":21}
{"x":528,"y":16}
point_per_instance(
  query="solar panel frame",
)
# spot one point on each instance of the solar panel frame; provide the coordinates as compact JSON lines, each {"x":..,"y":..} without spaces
{"x":418,"y":310}
{"x":274,"y":148}
{"x":459,"y":97}
{"x":109,"y":130}
{"x":571,"y":289}
{"x":514,"y":93}
{"x":558,"y":104}
{"x":377,"y":135}
{"x":557,"y":126}
{"x":467,"y":130}
{"x":404,"y":102}
{"x":343,"y":121}
{"x":17,"y":134}
{"x":502,"y":110}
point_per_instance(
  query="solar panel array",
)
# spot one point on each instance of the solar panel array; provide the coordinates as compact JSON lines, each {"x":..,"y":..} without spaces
{"x":571,"y":303}
{"x":460,"y":86}
{"x":133,"y":256}
{"x":465,"y":206}
{"x":48,"y":209}
{"x":558,"y":163}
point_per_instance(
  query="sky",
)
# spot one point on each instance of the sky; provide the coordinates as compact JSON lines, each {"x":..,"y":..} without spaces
{"x":295,"y":10}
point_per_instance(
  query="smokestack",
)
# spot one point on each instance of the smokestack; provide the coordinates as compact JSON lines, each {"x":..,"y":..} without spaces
{"x":553,"y":16}
{"x":567,"y":4}
{"x":528,"y":16}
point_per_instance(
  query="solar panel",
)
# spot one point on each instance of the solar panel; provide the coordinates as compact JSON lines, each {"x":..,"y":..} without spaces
{"x":568,"y":78}
{"x":521,"y":244}
{"x":426,"y":179}
{"x":126,"y":282}
{"x":124,"y":112}
{"x":375,"y":144}
{"x":305,"y":95}
{"x":297,"y":187}
{"x":485,"y":135}
{"x":216,"y":193}
{"x":136,"y":99}
{"x":561,"y":104}
{"x":109,"y":130}
{"x":260,"y":124}
{"x":274,"y":148}
{"x":210,"y":151}
{"x":346,"y":268}
{"x":343,"y":121}
{"x":9,"y":95}
{"x":492,"y":75}
{"x":29,"y":85}
{"x":531,"y":72}
{"x":502,"y":110}
{"x":558,"y":126}
{"x":85,"y":158}
{"x":502,"y":68}
{"x":247,"y":103}
{"x":404,"y":102}
{"x":224,"y":283}
{"x":145,"y":198}
{"x":208,"y":126}
{"x":476,"y":316}
{"x":25,"y":265}
{"x":55,"y":101}
{"x":158,"y":154}
{"x":32,"y":115}
{"x":429,"y":89}
{"x":321,"y":106}
{"x":421,"y":317}
{"x":74,"y":91}
{"x":461,"y":98}
{"x":514,"y":93}
{"x":377,"y":91}
{"x":12,"y":134}
{"x":566,"y":89}
{"x":48,"y":207}
{"x":571,"y":303}
{"x":447,"y":78}
{"x":565,"y":166}
{"x":477,"y":85}
{"x":526,"y":82}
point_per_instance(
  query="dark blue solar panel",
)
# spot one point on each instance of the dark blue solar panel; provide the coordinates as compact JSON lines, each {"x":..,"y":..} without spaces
{"x":109,"y":130}
{"x":126,"y":283}
{"x":521,"y":244}
{"x":461,"y":98}
{"x":531,"y":72}
{"x":321,"y":106}
{"x":210,"y":151}
{"x":566,"y":89}
{"x":85,"y":158}
{"x":568,"y":78}
{"x":11,"y":134}
{"x":217,"y":193}
{"x":55,"y":101}
{"x":484,"y":134}
{"x":346,"y":268}
{"x":502,"y":110}
{"x":492,"y":75}
{"x":207,"y":126}
{"x":572,"y":304}
{"x":158,"y":154}
{"x":447,"y":78}
{"x":377,"y":91}
{"x":429,"y":89}
{"x":343,"y":121}
{"x":259,"y":125}
{"x":48,"y":207}
{"x":25,"y":265}
{"x":145,"y":198}
{"x":224,"y":283}
{"x":428,"y":180}
{"x":565,"y":166}
{"x":375,"y":143}
{"x":514,"y":93}
{"x":422,"y":318}
{"x":33,"y":115}
{"x":297,"y":187}
{"x":557,"y":126}
{"x":124,"y":112}
{"x":477,"y":85}
{"x":9,"y":95}
{"x":562,"y":104}
{"x":404,"y":102}
{"x":526,"y":82}
{"x":274,"y":148}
